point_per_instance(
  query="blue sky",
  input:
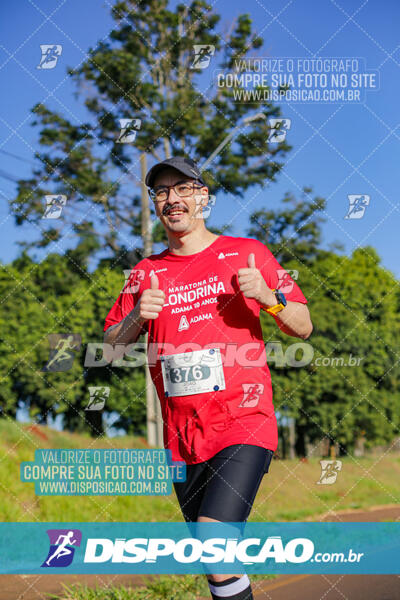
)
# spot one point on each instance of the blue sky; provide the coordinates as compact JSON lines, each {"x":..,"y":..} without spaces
{"x":338,"y":149}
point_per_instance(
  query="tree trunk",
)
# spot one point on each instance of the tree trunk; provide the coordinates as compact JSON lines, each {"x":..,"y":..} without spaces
{"x":153,"y":408}
{"x":300,"y":441}
{"x":292,"y":437}
{"x":146,"y":231}
{"x":94,"y":419}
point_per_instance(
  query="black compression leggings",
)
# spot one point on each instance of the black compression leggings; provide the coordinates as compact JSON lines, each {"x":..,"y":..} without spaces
{"x":224,"y":487}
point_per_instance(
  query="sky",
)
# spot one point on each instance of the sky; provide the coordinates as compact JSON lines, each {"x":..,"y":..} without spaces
{"x":340,"y":149}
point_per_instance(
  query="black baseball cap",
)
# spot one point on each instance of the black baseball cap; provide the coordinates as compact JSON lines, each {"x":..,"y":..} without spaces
{"x":187,"y":166}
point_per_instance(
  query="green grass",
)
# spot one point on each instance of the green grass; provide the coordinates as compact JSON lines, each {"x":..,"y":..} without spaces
{"x":289,"y":492}
{"x":165,"y":587}
{"x":177,"y":587}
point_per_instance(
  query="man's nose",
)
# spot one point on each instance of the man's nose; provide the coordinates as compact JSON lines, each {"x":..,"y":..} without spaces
{"x":173,"y":195}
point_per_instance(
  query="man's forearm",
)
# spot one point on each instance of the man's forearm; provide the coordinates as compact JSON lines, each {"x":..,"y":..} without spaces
{"x":295,"y":320}
{"x":125,"y":332}
{"x":148,"y":307}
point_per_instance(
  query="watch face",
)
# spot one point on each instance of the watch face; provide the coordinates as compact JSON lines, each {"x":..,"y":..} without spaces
{"x":280,"y":296}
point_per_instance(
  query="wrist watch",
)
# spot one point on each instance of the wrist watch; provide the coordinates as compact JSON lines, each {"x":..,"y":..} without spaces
{"x":281,"y":303}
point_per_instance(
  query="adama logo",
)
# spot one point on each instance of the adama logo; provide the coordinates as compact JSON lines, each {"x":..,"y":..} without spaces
{"x":62,"y":547}
{"x":222,"y":255}
{"x":153,"y":272}
{"x":183,"y":323}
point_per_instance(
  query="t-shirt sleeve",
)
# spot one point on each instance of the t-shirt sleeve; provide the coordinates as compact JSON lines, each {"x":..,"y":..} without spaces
{"x":127,"y":299}
{"x":276,"y":277}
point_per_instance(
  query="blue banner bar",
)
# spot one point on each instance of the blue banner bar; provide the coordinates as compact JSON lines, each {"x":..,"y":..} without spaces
{"x":340,"y":548}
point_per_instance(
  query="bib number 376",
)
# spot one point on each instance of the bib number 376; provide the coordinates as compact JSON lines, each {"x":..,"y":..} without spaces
{"x":193,"y":372}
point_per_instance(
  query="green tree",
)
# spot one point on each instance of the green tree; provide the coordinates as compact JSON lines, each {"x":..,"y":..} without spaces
{"x":354,"y":303}
{"x":52,"y":297}
{"x":144,"y":71}
{"x":293,"y":229}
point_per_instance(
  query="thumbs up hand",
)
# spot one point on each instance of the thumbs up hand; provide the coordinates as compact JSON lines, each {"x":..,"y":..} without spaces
{"x":154,"y":283}
{"x":252,"y":283}
{"x":152,"y":300}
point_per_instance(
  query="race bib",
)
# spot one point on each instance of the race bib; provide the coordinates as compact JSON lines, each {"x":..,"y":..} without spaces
{"x":193,"y":372}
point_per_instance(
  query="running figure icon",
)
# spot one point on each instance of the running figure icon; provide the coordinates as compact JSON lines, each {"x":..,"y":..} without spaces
{"x":62,"y":549}
{"x":63,"y":544}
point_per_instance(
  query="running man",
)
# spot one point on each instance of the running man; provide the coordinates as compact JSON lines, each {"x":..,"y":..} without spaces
{"x":62,"y":351}
{"x":49,"y":56}
{"x":62,"y":549}
{"x":200,"y":301}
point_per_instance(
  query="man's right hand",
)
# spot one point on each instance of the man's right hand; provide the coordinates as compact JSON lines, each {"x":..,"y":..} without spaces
{"x":151,"y":301}
{"x":149,"y":306}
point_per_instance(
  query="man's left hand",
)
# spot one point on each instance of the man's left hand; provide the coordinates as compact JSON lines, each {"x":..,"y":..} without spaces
{"x":252,"y":284}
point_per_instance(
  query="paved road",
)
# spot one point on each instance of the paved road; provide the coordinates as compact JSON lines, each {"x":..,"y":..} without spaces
{"x":35,"y":587}
{"x":331,"y":587}
{"x":285,"y":587}
{"x":336,"y":587}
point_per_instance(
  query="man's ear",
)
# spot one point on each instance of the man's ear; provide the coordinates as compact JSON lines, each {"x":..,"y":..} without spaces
{"x":201,"y":199}
{"x":205,"y":195}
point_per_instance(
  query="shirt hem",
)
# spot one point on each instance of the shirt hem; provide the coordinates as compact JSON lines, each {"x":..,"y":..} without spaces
{"x":268,"y":445}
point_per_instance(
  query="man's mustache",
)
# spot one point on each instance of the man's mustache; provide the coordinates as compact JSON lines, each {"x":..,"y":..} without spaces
{"x":169,"y":208}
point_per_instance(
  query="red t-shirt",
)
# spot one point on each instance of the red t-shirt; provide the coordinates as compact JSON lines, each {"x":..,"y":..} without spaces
{"x":204,"y":308}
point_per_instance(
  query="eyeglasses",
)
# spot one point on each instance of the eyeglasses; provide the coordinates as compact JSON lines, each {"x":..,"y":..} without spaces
{"x":183,"y":189}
